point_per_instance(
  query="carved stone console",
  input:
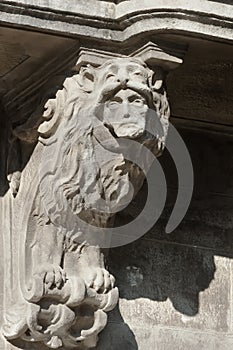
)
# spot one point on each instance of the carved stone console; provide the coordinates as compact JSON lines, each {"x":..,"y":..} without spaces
{"x":66,"y":167}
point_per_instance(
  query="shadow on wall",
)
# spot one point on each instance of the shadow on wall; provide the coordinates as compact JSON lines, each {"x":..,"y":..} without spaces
{"x":160,"y":266}
{"x":158,"y":271}
{"x":181,"y":265}
{"x":178,"y":267}
{"x":117,"y":335}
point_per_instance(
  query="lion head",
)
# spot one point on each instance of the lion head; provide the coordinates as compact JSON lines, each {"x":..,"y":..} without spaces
{"x":82,"y":165}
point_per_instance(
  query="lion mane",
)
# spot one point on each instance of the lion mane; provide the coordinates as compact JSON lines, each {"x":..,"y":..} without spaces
{"x":78,"y":175}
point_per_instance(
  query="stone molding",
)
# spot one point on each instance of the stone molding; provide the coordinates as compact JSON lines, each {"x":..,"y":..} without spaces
{"x":49,"y":76}
{"x":121,"y":22}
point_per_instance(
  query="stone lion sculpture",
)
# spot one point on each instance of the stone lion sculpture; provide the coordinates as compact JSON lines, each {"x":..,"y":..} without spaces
{"x":78,"y":172}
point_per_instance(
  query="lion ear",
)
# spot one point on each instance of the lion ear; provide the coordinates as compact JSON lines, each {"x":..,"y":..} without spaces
{"x":155,"y":78}
{"x":86,"y":78}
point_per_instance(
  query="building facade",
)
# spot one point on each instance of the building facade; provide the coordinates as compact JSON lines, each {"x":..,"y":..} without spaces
{"x":116,"y":174}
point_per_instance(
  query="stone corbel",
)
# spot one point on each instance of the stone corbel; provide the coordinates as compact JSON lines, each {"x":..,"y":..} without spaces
{"x":62,"y":290}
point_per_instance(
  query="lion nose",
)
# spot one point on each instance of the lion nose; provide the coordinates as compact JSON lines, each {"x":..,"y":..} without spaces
{"x":123,"y":80}
{"x":125,"y":110}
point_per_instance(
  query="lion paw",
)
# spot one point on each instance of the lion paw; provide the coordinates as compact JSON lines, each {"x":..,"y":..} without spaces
{"x":52,"y":276}
{"x":99,"y":279}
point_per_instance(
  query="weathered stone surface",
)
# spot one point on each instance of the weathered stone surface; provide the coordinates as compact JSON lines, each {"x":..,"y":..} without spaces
{"x":170,"y":339}
{"x":205,"y":81}
{"x":71,"y":179}
{"x":175,"y":290}
{"x":119,"y":336}
{"x":169,"y":284}
{"x":123,"y":21}
{"x":161,"y":338}
{"x":10,"y":56}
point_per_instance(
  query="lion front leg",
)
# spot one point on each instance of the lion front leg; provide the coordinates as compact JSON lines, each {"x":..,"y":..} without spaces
{"x":91,"y":268}
{"x":47,"y":255}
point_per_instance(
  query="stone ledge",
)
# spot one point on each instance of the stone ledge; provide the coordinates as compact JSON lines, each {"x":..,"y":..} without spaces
{"x":120,"y":22}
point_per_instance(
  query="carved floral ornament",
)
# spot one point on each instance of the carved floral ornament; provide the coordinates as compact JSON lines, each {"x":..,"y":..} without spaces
{"x":78,"y":174}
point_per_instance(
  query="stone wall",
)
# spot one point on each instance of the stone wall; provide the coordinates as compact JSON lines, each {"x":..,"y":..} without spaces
{"x":176,"y":289}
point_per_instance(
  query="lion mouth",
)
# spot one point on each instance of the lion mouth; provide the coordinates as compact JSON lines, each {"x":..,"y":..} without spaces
{"x":125,"y":130}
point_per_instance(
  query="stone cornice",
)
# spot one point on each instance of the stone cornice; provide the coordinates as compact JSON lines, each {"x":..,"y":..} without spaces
{"x":164,"y":54}
{"x":122,"y":21}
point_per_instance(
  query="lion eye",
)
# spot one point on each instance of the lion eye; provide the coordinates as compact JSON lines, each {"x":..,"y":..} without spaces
{"x":110,"y":75}
{"x":138,"y":73}
{"x":137,"y":101}
{"x":113,"y":104}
